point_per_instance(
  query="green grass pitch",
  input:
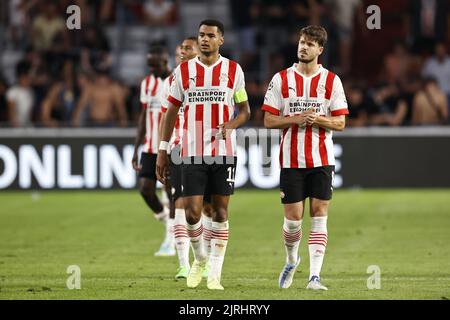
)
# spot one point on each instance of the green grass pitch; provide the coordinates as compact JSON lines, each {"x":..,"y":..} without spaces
{"x":112,"y":236}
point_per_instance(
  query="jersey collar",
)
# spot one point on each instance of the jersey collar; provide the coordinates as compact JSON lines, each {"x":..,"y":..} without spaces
{"x":294,"y":67}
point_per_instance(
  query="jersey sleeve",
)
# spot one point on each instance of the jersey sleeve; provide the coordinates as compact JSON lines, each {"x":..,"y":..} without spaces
{"x":338,"y":105}
{"x":239,"y":95}
{"x":273,"y":100}
{"x":176,"y":91}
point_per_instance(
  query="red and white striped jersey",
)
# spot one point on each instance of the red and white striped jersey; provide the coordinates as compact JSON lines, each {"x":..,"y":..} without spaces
{"x":178,"y":128}
{"x":151,"y":94}
{"x":206,"y":92}
{"x":291,"y":93}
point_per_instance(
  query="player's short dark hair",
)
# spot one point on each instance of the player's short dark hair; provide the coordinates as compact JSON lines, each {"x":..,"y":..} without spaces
{"x":213,"y":23}
{"x":315,"y":33}
{"x":195,"y":39}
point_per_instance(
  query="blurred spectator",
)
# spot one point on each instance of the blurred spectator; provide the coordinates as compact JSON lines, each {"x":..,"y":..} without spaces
{"x":47,"y":25}
{"x":305,"y":12}
{"x":245,"y":15}
{"x":396,"y":63}
{"x":3,"y":102}
{"x":105,"y":10}
{"x":105,"y":100}
{"x":358,"y":105}
{"x":438,"y":67}
{"x":430,"y":105}
{"x":255,"y":100}
{"x":391,"y":107}
{"x":273,"y":20}
{"x":343,"y":13}
{"x":159,"y":12}
{"x":20,"y":98}
{"x":95,"y":51}
{"x":19,"y":13}
{"x":289,"y":52}
{"x":60,"y":101}
{"x":428,"y":23}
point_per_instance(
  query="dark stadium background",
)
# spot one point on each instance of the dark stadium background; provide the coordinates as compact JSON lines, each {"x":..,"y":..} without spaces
{"x":392,"y":199}
{"x":383,"y":71}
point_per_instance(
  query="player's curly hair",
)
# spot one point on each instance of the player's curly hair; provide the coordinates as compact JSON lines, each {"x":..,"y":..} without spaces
{"x":315,"y":33}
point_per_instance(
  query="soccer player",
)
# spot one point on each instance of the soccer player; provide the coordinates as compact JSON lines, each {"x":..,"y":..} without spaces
{"x":184,"y":52}
{"x":148,"y":128}
{"x":307,"y":102}
{"x":208,"y":87}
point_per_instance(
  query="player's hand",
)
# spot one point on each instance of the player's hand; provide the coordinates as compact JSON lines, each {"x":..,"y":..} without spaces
{"x":162,"y":166}
{"x":225,"y":130}
{"x":134,"y":162}
{"x":311,"y":118}
{"x":300,"y":120}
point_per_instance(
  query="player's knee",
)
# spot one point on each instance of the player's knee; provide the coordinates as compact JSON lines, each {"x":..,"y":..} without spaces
{"x":193,"y":213}
{"x":221,"y":214}
{"x":208,"y":209}
{"x":319,"y":211}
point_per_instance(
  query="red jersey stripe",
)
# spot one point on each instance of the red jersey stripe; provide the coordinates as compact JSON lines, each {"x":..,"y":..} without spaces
{"x":200,"y":76}
{"x":184,"y":67}
{"x":284,"y":84}
{"x":232,"y":65}
{"x":281,"y":147}
{"x":199,"y":129}
{"x":323,"y":147}
{"x":294,"y":153}
{"x":299,"y":84}
{"x":329,"y":85}
{"x":314,"y":84}
{"x":308,"y":148}
{"x":226,"y":118}
{"x":214,"y":124}
{"x":155,"y":87}
{"x":216,"y":75}
{"x":184,"y":151}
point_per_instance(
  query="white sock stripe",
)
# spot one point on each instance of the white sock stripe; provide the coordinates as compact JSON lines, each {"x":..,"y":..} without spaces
{"x":292,"y":233}
{"x":181,"y":236}
{"x":223,"y":236}
{"x":195,"y":233}
{"x":318,"y":236}
{"x":292,"y":239}
{"x":318,"y":243}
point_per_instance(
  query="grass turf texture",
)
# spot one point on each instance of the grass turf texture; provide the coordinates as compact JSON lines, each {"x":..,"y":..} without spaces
{"x":112,"y":237}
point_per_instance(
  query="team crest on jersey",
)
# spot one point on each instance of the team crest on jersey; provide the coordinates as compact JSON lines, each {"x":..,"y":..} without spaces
{"x":321,"y":89}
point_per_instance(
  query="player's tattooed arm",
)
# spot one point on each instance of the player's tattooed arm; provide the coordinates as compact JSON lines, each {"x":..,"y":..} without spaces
{"x":139,"y":138}
{"x":332,"y":123}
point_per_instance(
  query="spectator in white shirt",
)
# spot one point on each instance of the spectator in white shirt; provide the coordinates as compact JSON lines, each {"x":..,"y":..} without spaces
{"x":20,"y":98}
{"x":438,"y":67}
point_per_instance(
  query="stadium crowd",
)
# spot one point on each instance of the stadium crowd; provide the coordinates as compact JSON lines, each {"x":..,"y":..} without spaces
{"x":396,"y":76}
